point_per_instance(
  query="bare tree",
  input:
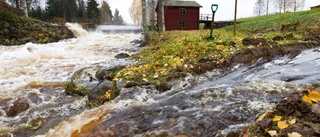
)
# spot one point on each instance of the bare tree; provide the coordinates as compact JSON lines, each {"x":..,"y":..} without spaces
{"x":267,"y":7}
{"x":144,"y":22}
{"x":259,"y":8}
{"x":136,"y":12}
{"x":278,"y":5}
{"x":298,"y":5}
{"x":289,"y":5}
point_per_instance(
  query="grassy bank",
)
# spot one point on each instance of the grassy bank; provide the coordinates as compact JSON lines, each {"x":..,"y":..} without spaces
{"x":17,"y":30}
{"x":173,"y":54}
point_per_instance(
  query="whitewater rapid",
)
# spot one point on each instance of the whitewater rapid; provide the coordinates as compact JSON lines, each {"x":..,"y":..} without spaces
{"x":34,"y":74}
{"x":217,"y":103}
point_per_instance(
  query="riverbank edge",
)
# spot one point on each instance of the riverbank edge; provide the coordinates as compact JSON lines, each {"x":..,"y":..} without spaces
{"x":18,"y":30}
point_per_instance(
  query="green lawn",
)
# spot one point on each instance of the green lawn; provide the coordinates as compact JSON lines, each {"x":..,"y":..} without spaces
{"x":173,"y":54}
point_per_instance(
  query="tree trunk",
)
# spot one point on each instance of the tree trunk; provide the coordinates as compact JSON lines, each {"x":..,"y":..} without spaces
{"x":144,"y":22}
{"x":295,"y":6}
{"x":160,"y":14}
{"x":25,"y":8}
{"x":17,"y":4}
{"x":267,"y":7}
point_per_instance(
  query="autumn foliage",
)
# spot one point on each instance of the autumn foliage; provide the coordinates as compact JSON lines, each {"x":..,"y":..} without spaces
{"x":135,"y":11}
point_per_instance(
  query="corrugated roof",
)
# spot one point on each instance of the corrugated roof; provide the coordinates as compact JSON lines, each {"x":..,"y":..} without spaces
{"x":181,"y":3}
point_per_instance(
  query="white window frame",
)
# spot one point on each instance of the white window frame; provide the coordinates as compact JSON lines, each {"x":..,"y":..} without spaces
{"x":182,"y":10}
{"x":182,"y":24}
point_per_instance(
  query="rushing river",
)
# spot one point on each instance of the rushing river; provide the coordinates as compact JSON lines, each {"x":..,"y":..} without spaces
{"x":217,"y":103}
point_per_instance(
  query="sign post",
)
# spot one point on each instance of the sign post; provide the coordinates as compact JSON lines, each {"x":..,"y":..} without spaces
{"x":235,"y":19}
{"x":214,"y":8}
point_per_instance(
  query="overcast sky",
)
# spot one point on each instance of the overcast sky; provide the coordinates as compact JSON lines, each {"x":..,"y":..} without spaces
{"x":224,"y":12}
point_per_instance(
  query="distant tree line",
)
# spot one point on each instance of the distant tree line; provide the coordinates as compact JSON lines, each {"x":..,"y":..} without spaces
{"x":265,"y":7}
{"x":71,"y":11}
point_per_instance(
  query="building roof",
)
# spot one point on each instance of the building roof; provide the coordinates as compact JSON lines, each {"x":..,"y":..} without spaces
{"x":315,"y":6}
{"x":181,"y":3}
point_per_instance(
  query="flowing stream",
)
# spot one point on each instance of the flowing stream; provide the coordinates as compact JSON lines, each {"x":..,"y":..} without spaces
{"x":217,"y":103}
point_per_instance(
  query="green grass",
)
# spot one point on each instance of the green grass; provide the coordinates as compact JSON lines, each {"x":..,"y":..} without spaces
{"x":173,"y":54}
{"x":306,"y":18}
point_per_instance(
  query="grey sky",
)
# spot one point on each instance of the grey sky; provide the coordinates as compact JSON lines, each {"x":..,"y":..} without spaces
{"x":225,"y":10}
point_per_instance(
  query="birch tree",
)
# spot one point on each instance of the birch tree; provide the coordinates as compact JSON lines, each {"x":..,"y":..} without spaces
{"x":298,"y":5}
{"x":160,"y":15}
{"x":259,"y":8}
{"x":144,"y":22}
{"x":151,"y":7}
{"x":136,"y":12}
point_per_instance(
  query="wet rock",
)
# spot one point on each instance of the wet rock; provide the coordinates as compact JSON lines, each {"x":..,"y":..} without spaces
{"x":34,"y":97}
{"x":162,"y":87}
{"x":107,"y":74}
{"x":136,"y":41}
{"x":85,"y":76}
{"x":95,"y":95}
{"x":4,"y":105}
{"x":133,"y":84}
{"x":100,"y":74}
{"x":122,"y":55}
{"x":20,"y":105}
{"x":84,"y":73}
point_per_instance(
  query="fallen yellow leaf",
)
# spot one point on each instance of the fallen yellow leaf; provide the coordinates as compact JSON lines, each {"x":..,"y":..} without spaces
{"x":305,"y":98}
{"x":261,"y":117}
{"x":292,"y":121}
{"x":314,"y":96}
{"x":283,"y":124}
{"x":294,"y":134}
{"x":276,"y":118}
{"x":272,"y":133}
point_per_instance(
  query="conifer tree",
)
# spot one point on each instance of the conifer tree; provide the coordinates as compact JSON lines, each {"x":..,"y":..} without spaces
{"x":93,"y":12}
{"x":117,"y":19}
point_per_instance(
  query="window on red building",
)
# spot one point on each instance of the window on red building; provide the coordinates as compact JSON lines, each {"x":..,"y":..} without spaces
{"x":182,"y":25}
{"x":182,"y":10}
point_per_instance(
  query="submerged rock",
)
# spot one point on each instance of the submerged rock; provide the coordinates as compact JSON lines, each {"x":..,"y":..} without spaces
{"x":107,"y":74}
{"x":122,"y":55}
{"x":136,"y":41}
{"x":19,"y":106}
{"x":95,"y":95}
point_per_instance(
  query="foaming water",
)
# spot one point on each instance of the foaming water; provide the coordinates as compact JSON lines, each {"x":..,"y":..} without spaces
{"x":55,"y":62}
{"x":32,"y":75}
{"x":217,"y":103}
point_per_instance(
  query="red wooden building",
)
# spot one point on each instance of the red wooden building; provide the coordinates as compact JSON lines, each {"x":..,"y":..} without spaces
{"x":180,"y":15}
